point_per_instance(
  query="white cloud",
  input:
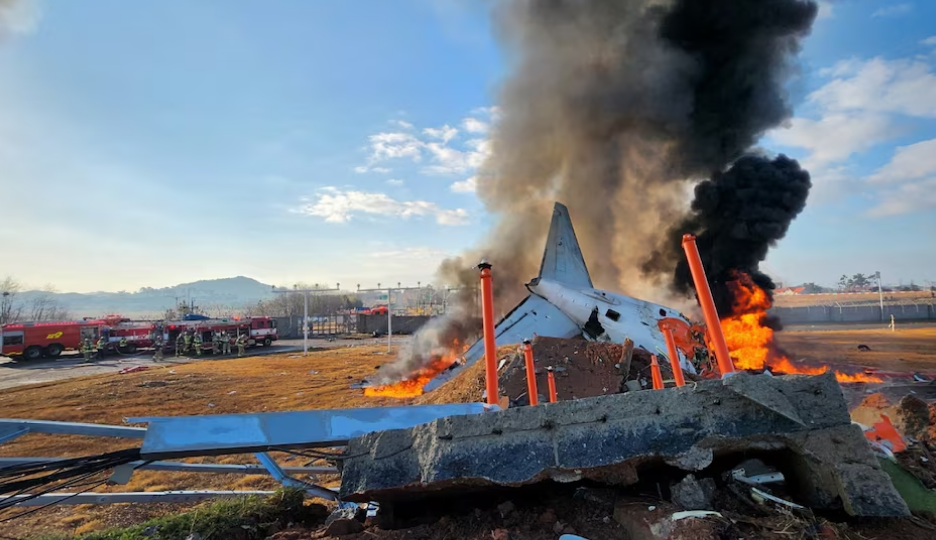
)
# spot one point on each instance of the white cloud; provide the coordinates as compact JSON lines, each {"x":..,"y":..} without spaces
{"x":19,"y":16}
{"x":409,"y":254}
{"x":906,"y":199}
{"x":910,"y":162}
{"x":338,"y":206}
{"x":394,"y":145}
{"x":394,"y":182}
{"x":929,"y":41}
{"x":879,"y":85}
{"x":473,"y":125}
{"x":825,"y":10}
{"x":894,"y":10}
{"x":402,"y":123}
{"x":361,"y":169}
{"x":836,"y":136}
{"x":465,"y":186}
{"x":446,"y":133}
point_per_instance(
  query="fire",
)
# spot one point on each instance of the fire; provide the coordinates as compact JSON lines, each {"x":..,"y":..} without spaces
{"x":413,"y":385}
{"x":751,"y":341}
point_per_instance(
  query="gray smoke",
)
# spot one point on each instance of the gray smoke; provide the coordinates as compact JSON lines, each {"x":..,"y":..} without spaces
{"x":617,"y":108}
{"x":17,"y":17}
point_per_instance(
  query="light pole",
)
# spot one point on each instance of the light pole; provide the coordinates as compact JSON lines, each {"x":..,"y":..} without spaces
{"x":880,"y":293}
{"x":305,"y":309}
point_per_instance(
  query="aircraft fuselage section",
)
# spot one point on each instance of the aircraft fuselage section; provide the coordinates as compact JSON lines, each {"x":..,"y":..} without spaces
{"x":619,"y":316}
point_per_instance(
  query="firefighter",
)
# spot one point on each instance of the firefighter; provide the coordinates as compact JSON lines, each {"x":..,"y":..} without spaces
{"x":188,"y":342}
{"x":197,"y":341}
{"x":215,"y":343}
{"x":122,"y":345}
{"x":101,"y":346}
{"x":225,"y":343}
{"x":241,"y":344}
{"x":87,"y":349}
{"x":179,"y":345}
{"x":158,"y":346}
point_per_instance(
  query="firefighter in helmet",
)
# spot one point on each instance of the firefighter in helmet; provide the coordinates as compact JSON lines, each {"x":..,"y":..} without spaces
{"x":101,"y":346}
{"x":122,"y":344}
{"x":241,"y":344}
{"x":86,"y":350}
{"x":188,"y":342}
{"x":215,"y":343}
{"x":179,"y":345}
{"x":158,"y":348}
{"x":197,"y":341}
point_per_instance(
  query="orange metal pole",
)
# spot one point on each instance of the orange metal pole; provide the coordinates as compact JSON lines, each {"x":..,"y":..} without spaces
{"x":490,"y":347}
{"x":708,"y":305}
{"x":673,"y":357}
{"x":530,"y":372}
{"x":655,"y":373}
{"x":551,"y":380}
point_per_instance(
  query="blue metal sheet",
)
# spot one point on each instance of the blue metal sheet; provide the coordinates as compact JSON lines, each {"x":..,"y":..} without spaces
{"x":70,"y":428}
{"x":182,"y":436}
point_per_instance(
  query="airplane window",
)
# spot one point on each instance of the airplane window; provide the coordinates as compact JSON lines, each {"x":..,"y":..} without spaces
{"x":613,"y":315}
{"x":662,"y":313}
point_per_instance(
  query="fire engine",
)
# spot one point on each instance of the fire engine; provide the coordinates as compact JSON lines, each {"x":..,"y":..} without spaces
{"x":35,"y":340}
{"x":259,"y":330}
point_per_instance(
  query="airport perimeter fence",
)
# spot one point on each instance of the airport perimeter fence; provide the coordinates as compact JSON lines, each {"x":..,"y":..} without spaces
{"x":917,"y":312}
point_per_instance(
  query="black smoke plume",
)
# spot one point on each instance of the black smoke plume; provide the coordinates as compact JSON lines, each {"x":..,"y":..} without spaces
{"x":615,"y":108}
{"x":737,"y":216}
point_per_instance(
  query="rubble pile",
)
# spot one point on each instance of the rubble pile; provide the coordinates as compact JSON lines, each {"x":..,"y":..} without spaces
{"x":800,"y":424}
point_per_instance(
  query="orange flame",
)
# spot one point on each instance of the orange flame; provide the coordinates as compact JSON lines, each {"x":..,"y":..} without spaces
{"x":751,"y":341}
{"x":413,"y":385}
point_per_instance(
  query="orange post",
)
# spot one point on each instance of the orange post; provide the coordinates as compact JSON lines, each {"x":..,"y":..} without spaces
{"x":655,"y":373}
{"x":490,"y":347}
{"x":673,"y":357}
{"x":530,"y":372}
{"x":708,"y":305}
{"x":551,"y":380}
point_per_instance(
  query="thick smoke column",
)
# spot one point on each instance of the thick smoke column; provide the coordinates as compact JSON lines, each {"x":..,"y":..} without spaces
{"x":614,"y":107}
{"x":737,"y":216}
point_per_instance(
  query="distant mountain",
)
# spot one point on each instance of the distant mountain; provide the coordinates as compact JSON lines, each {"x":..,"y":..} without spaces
{"x":233,"y":292}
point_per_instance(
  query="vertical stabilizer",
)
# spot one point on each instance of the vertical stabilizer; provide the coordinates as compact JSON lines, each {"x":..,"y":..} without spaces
{"x":562,"y":259}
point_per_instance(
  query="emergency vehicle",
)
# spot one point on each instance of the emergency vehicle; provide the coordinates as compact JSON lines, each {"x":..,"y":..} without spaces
{"x":35,"y":340}
{"x":259,"y":330}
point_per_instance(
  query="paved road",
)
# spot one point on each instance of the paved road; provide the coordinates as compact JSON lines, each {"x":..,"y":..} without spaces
{"x":14,"y":374}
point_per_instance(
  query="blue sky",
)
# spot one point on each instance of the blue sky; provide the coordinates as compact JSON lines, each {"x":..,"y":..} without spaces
{"x":152,"y":143}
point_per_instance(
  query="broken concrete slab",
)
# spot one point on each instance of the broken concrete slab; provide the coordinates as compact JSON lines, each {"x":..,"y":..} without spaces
{"x":605,"y":438}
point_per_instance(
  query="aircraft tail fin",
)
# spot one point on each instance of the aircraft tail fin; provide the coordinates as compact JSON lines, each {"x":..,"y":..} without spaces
{"x":562,"y":260}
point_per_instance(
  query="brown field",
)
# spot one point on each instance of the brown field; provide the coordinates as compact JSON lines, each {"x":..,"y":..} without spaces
{"x":272,"y":383}
{"x":802,"y":300}
{"x":907,"y":349}
{"x":284,"y":382}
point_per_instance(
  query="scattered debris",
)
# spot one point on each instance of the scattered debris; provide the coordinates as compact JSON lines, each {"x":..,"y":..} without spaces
{"x":153,"y":384}
{"x":133,"y":369}
{"x":864,"y":348}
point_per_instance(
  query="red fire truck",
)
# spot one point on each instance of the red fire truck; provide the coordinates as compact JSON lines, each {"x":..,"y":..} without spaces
{"x":259,"y":330}
{"x":35,"y":340}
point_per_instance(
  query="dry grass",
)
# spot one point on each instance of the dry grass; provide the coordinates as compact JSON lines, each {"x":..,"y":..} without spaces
{"x":908,"y":349}
{"x":802,"y":300}
{"x":271,"y":383}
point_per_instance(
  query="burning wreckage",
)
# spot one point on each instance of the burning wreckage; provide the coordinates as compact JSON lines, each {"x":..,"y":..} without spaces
{"x":795,"y":429}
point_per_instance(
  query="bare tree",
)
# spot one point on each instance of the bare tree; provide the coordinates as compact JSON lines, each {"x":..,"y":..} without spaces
{"x":11,"y":309}
{"x":44,"y":306}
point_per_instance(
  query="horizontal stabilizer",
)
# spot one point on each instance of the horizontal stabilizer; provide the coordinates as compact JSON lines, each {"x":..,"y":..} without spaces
{"x":533,"y":316}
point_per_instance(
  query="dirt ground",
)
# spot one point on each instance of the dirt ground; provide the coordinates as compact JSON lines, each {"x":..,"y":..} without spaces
{"x":272,"y":383}
{"x":907,"y":350}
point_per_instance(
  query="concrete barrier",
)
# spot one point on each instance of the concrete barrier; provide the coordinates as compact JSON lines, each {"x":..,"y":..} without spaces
{"x":854,"y":314}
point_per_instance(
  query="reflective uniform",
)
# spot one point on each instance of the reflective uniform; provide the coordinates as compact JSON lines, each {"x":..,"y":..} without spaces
{"x":122,"y":344}
{"x":101,"y":347}
{"x":86,"y":349}
{"x":179,"y":345}
{"x":188,"y":343}
{"x":198,"y":343}
{"x":158,"y":346}
{"x":241,"y":344}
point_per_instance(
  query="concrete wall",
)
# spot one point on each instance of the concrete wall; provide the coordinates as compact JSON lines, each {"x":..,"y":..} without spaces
{"x":402,"y":324}
{"x":854,"y":314}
